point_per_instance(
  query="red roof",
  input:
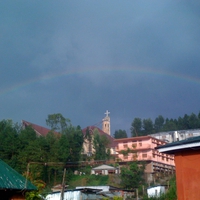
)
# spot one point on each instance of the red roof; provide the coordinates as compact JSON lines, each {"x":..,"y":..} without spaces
{"x":40,"y":130}
{"x":110,"y":138}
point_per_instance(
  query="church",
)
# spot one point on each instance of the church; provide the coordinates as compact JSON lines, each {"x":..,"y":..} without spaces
{"x":105,"y":131}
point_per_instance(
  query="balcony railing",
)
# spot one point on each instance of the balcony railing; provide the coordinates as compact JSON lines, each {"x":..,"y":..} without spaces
{"x":126,"y":146}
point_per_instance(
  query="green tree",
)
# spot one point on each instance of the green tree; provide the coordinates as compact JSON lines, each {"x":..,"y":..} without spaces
{"x":51,"y":154}
{"x":88,"y":140}
{"x":9,"y":143}
{"x":186,"y":122}
{"x":51,"y":146}
{"x":193,"y":121}
{"x":170,"y":125}
{"x":147,"y":126}
{"x":171,"y":193}
{"x":101,"y":146}
{"x":120,"y":134}
{"x":63,"y":149}
{"x":132,"y":176}
{"x":27,"y":135}
{"x":136,"y":127}
{"x":36,"y":195}
{"x":57,"y":122}
{"x":158,"y":124}
{"x":180,"y":123}
{"x":75,"y":138}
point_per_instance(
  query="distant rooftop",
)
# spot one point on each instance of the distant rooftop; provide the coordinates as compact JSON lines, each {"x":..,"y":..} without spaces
{"x":178,"y":131}
{"x":171,"y":148}
{"x":40,"y":130}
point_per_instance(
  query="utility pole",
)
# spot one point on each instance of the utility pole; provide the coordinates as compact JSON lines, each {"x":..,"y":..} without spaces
{"x":63,"y":185}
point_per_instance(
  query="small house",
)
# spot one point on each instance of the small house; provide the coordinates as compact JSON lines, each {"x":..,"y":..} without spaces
{"x":155,"y":191}
{"x":104,"y":170}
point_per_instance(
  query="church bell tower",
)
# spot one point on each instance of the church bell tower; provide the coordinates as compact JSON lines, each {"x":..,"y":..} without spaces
{"x":106,"y":123}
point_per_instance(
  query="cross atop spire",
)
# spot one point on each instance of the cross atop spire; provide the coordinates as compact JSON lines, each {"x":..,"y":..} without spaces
{"x":106,"y":123}
{"x":107,"y":113}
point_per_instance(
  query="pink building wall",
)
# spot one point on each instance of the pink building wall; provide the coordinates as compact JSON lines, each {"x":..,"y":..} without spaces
{"x":144,"y":147}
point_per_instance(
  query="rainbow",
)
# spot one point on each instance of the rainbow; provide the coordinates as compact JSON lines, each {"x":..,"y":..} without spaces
{"x":135,"y":70}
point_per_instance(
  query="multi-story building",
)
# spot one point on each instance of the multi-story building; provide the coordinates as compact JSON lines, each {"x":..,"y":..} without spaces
{"x":143,"y":149}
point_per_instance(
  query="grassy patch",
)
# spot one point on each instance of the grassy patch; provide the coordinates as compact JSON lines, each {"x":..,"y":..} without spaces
{"x":88,"y":180}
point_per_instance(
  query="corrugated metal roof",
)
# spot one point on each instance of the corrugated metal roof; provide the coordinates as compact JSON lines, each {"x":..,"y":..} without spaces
{"x":180,"y":145}
{"x":11,"y":179}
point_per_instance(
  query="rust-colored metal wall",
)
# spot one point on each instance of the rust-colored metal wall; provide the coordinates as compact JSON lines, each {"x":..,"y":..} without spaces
{"x":188,"y":174}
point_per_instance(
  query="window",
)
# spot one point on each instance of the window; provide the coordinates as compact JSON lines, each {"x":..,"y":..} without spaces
{"x":144,"y":155}
{"x":125,"y":144}
{"x":89,"y":153}
{"x":190,"y":134}
{"x":134,"y":144}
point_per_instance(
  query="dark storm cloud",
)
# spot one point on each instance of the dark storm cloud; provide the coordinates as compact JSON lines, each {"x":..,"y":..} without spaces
{"x":134,"y":58}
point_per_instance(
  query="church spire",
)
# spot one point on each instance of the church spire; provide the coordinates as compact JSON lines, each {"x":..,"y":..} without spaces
{"x":106,"y":123}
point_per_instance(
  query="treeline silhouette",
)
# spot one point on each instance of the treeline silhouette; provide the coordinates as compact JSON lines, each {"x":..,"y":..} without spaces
{"x":141,"y":127}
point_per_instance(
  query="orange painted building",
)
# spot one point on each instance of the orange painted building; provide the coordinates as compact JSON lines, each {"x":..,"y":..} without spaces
{"x":187,"y":162}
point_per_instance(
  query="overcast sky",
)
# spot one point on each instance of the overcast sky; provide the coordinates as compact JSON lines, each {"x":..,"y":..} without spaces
{"x":134,"y":58}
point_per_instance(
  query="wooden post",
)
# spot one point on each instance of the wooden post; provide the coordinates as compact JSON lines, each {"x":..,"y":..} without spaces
{"x":136,"y":194}
{"x":143,"y":190}
{"x":27,"y":174}
{"x":63,"y":185}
